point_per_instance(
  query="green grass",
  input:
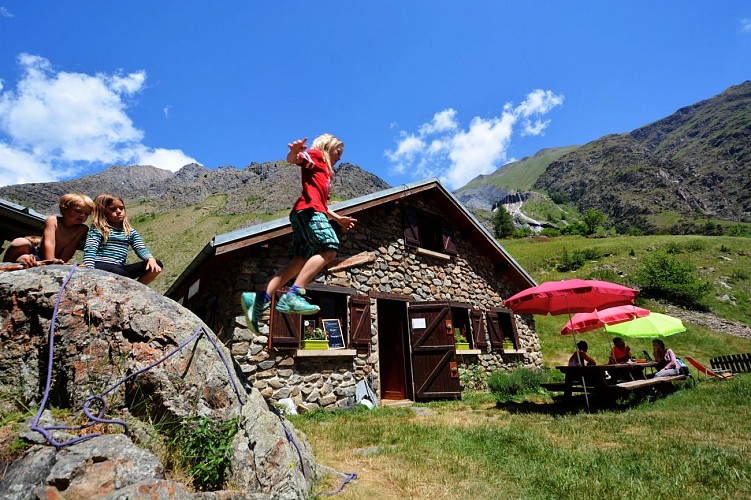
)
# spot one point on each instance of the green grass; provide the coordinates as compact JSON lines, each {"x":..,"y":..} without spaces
{"x":176,"y":237}
{"x":724,"y":261}
{"x":690,"y":444}
{"x":521,"y":175}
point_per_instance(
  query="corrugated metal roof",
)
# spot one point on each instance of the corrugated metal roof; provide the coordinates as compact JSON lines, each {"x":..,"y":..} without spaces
{"x":17,"y":220}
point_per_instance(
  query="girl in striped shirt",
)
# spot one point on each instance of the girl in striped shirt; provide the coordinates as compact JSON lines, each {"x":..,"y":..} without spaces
{"x":110,"y":238}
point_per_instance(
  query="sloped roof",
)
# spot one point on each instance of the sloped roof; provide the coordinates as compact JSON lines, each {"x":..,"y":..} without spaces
{"x":17,"y":220}
{"x":242,"y":238}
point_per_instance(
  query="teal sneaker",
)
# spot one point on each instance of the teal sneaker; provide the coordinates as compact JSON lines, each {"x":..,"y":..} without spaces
{"x":292,"y":303}
{"x":253,"y":306}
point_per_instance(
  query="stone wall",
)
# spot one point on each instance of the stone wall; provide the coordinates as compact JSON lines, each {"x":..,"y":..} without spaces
{"x":330,"y":382}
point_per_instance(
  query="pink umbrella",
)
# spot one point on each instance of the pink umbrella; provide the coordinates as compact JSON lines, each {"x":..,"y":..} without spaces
{"x":584,"y":322}
{"x":570,"y":296}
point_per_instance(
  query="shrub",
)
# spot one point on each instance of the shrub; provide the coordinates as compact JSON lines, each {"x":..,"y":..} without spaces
{"x":739,"y":230}
{"x":204,"y":447}
{"x":665,"y":276}
{"x":507,"y":386}
{"x":695,"y":245}
{"x":605,"y":274}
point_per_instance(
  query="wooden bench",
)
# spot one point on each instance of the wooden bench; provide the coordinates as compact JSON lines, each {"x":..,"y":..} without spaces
{"x":561,"y":387}
{"x":736,"y":363}
{"x":633,"y":385}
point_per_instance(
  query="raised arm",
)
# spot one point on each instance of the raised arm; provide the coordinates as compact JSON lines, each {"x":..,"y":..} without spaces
{"x":296,"y":148}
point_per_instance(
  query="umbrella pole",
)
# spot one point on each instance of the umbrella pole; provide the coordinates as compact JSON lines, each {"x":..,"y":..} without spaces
{"x":578,"y":356}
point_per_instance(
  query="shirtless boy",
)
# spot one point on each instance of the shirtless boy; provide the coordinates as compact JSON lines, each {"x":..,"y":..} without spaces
{"x":64,"y":234}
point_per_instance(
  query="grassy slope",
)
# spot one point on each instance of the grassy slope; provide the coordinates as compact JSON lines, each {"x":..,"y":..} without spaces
{"x":521,"y":175}
{"x":176,"y":237}
{"x":723,"y":261}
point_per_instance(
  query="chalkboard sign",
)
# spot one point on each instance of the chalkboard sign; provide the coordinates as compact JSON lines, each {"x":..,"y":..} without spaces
{"x":333,"y":330}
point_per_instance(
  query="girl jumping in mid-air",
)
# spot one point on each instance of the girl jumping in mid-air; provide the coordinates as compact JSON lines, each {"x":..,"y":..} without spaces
{"x":109,"y":239}
{"x":314,"y":242}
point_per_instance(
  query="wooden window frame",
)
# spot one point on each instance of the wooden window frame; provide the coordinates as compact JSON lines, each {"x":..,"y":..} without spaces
{"x":418,"y":223}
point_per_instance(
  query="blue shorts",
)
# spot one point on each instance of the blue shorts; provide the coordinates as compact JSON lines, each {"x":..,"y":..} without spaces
{"x":311,"y":233}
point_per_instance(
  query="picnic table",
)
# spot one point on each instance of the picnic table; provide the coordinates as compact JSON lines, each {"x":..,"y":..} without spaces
{"x":622,"y":377}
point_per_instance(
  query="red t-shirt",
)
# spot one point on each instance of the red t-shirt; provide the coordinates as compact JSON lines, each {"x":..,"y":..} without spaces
{"x":316,"y":181}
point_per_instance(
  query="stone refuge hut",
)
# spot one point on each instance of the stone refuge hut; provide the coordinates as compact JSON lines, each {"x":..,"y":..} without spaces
{"x":417,"y":270}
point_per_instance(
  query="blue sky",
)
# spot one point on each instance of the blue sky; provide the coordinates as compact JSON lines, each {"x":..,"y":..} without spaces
{"x":413,"y":88}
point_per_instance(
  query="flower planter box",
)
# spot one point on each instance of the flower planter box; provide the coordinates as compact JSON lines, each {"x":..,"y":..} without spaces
{"x":315,"y":344}
{"x":462,"y":346}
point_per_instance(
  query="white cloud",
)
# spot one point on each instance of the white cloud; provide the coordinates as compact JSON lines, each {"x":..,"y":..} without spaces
{"x":5,"y":12}
{"x":55,"y":123}
{"x":440,"y":148}
{"x":169,"y":159}
{"x":746,"y":25}
{"x":442,"y":121}
{"x":409,"y":146}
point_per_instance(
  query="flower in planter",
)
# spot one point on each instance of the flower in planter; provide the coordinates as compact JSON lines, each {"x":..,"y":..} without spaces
{"x":314,"y":333}
{"x":459,"y":338}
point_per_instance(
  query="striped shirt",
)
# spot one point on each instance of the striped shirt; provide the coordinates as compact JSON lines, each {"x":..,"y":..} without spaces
{"x":115,"y":249}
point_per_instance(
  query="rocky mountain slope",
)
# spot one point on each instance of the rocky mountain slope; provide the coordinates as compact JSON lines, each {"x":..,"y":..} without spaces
{"x":696,"y":161}
{"x":258,"y":188}
{"x":486,"y":191}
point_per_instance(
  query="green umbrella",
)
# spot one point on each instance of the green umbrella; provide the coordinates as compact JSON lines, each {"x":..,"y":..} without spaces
{"x":654,"y":325}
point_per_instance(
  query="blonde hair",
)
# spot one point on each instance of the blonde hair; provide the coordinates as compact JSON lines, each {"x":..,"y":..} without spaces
{"x":76,"y":200}
{"x":325,"y":143}
{"x":100,"y":214}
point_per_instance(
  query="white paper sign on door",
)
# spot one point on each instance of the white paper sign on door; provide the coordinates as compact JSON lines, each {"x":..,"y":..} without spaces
{"x":418,"y":323}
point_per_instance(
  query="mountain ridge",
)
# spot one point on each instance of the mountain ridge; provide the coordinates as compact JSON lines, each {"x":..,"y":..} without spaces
{"x":696,"y":161}
{"x":260,"y":187}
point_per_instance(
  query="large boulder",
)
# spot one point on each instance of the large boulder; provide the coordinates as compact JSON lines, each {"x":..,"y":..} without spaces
{"x":109,"y":327}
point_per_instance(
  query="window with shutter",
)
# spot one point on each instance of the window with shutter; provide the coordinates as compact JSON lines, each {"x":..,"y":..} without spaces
{"x":285,"y":329}
{"x":501,"y":326}
{"x":478,"y":329}
{"x":411,"y":227}
{"x":360,"y":312}
{"x":428,"y":231}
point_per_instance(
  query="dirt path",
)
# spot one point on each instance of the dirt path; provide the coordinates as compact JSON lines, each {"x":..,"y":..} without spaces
{"x":711,"y":321}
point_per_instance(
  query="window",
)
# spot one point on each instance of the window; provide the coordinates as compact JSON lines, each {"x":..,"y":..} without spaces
{"x":428,"y":231}
{"x":501,"y":326}
{"x":287,"y":329}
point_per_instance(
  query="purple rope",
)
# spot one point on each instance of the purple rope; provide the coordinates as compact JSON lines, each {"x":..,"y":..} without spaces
{"x":347,"y":479}
{"x":100,"y":398}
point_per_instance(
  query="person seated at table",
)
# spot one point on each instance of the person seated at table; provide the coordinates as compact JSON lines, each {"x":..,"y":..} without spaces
{"x":620,"y":353}
{"x":580,"y":356}
{"x":667,"y":364}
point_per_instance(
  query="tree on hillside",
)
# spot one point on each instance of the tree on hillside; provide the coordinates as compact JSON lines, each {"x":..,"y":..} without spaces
{"x":665,"y":276}
{"x":593,"y":218}
{"x":503,"y":223}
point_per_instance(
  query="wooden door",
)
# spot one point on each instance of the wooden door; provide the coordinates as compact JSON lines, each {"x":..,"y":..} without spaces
{"x":393,"y":350}
{"x":434,"y":368}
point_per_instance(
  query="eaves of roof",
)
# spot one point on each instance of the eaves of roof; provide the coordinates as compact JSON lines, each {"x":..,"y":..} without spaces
{"x":20,"y":220}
